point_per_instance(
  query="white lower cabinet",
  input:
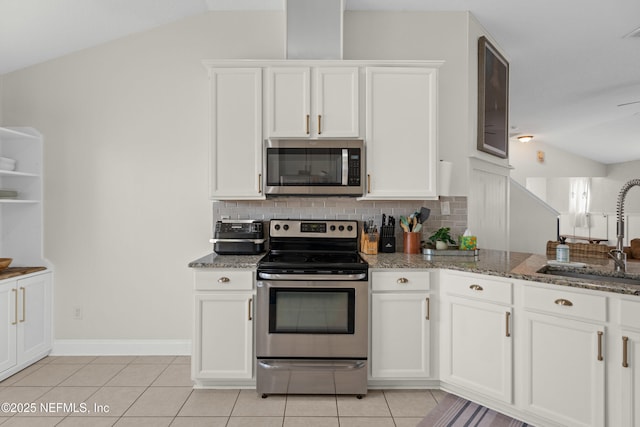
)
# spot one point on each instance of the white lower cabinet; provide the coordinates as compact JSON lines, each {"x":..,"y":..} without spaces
{"x":564,"y":356}
{"x":25,"y":326}
{"x":628,"y":364}
{"x":477,"y":340}
{"x":223,"y":333}
{"x":400,"y":325}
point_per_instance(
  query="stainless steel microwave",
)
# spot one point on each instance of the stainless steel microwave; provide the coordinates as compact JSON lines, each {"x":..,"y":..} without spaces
{"x":314,"y":167}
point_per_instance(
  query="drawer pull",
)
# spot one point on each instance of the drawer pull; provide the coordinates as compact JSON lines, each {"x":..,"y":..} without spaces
{"x":224,"y":280}
{"x":250,"y":302}
{"x":259,"y":183}
{"x":563,"y":301}
{"x":402,"y":280}
{"x":600,"y":333}
{"x":319,"y":124}
{"x":308,"y":117}
{"x":507,"y":319}
{"x":476,"y":288}
{"x":428,"y":308}
{"x":625,"y":352}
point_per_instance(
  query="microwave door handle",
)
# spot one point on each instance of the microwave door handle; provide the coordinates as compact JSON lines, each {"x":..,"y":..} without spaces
{"x":345,"y":166}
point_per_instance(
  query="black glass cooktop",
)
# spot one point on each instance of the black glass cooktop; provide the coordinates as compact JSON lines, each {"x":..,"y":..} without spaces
{"x":310,"y":260}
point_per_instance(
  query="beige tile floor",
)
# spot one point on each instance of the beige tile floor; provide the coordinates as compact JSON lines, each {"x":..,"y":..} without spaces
{"x":157,"y":391}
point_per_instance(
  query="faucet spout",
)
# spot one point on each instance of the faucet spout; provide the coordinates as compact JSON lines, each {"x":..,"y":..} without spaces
{"x":619,"y":259}
{"x":618,"y":255}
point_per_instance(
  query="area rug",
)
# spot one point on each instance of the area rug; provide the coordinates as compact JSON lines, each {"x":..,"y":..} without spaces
{"x":454,"y":411}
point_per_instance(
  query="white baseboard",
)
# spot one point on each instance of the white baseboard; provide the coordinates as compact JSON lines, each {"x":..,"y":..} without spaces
{"x":121,"y":348}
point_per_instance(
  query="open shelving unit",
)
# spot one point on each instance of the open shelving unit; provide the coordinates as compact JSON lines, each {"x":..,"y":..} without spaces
{"x":21,"y":219}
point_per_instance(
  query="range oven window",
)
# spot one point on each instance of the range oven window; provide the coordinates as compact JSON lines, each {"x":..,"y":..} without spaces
{"x":311,"y":311}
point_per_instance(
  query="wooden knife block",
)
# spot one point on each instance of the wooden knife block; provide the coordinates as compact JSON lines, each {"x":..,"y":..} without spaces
{"x":369,"y":242}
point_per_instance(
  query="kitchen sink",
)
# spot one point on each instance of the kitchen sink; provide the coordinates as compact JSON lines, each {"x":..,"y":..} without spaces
{"x":592,"y":276}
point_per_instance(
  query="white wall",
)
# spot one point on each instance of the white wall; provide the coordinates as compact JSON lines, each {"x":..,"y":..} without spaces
{"x":557,"y":163}
{"x":125,"y":178}
{"x":533,"y":222}
{"x":125,"y":128}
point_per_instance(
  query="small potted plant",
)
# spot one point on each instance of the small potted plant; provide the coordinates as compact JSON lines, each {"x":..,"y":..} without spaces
{"x":441,"y":238}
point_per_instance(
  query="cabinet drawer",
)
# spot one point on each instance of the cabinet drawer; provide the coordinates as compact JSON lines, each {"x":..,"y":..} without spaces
{"x":399,"y":280}
{"x":566,"y":303}
{"x":224,"y":280}
{"x":630,"y":313}
{"x":478,"y":287}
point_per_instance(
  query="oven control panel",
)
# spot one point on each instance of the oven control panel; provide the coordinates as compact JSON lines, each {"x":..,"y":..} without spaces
{"x":313,"y":228}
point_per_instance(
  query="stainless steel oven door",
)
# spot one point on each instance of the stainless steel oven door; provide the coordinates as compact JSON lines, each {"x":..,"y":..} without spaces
{"x":312,"y":319}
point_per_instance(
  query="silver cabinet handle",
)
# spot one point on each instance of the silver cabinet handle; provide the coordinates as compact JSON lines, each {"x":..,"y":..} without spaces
{"x":402,"y":280}
{"x":600,"y":333}
{"x":507,"y":319}
{"x":24,"y":304}
{"x":259,"y":183}
{"x":224,"y":280}
{"x":15,"y":292}
{"x":476,"y":288}
{"x":625,"y":352}
{"x":563,"y":301}
{"x":250,"y":302}
{"x":319,"y":124}
{"x":428,"y":308}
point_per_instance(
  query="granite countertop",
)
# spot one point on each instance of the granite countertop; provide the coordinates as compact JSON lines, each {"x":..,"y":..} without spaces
{"x":516,"y":265}
{"x":214,"y":260}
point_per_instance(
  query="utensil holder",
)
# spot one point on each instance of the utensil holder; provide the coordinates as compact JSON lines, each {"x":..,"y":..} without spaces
{"x":411,"y":242}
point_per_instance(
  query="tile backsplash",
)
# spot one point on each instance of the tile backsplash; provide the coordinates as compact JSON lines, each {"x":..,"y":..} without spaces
{"x":346,"y":208}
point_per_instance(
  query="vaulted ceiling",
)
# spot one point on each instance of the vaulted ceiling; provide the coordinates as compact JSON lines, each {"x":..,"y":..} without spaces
{"x":575,"y":64}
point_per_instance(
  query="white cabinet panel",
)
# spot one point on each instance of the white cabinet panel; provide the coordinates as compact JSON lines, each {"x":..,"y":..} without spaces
{"x":478,"y":353}
{"x":400,"y":335}
{"x":34,"y":331}
{"x":332,"y":110}
{"x":401,"y":133}
{"x":25,"y":325}
{"x":8,"y":325}
{"x":630,"y":374}
{"x":236,"y":133}
{"x":565,"y":373}
{"x":336,"y":102}
{"x":289,"y":100}
{"x":223,"y":341}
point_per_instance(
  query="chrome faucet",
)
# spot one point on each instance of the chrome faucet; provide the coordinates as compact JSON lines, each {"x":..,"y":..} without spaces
{"x":618,"y":255}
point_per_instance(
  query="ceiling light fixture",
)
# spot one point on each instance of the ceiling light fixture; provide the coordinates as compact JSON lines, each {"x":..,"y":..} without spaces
{"x":525,"y":138}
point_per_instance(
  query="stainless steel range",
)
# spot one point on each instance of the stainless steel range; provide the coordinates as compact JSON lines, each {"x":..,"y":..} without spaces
{"x":312,"y":310}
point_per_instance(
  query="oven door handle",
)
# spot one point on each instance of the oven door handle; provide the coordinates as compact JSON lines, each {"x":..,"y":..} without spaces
{"x":316,"y":366}
{"x":312,"y":277}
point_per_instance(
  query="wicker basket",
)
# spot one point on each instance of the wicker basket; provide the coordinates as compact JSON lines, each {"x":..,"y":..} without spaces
{"x":581,"y":250}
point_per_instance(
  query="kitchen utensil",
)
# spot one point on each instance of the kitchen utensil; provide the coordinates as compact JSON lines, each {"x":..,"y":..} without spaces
{"x":424,"y":214}
{"x":5,"y":262}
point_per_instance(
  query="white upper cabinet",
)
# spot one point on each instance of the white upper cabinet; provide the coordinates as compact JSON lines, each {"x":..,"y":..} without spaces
{"x":332,"y":110}
{"x":401,"y":133}
{"x":235,"y":170}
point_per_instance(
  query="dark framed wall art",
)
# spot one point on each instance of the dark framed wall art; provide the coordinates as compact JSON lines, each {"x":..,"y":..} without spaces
{"x":493,"y":100}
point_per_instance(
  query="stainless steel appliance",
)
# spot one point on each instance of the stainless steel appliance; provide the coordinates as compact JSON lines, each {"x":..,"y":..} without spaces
{"x":238,"y":237}
{"x":314,"y":167}
{"x":312,"y":310}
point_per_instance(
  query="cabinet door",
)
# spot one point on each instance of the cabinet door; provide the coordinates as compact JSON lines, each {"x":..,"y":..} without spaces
{"x":400,"y":335}
{"x":34,"y":317}
{"x":8,"y":323}
{"x":235,"y":169}
{"x":564,"y":370}
{"x":401,"y":136}
{"x":289,"y":102}
{"x":630,"y":392}
{"x":478,"y":347}
{"x":336,"y":102}
{"x":223,"y":338}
